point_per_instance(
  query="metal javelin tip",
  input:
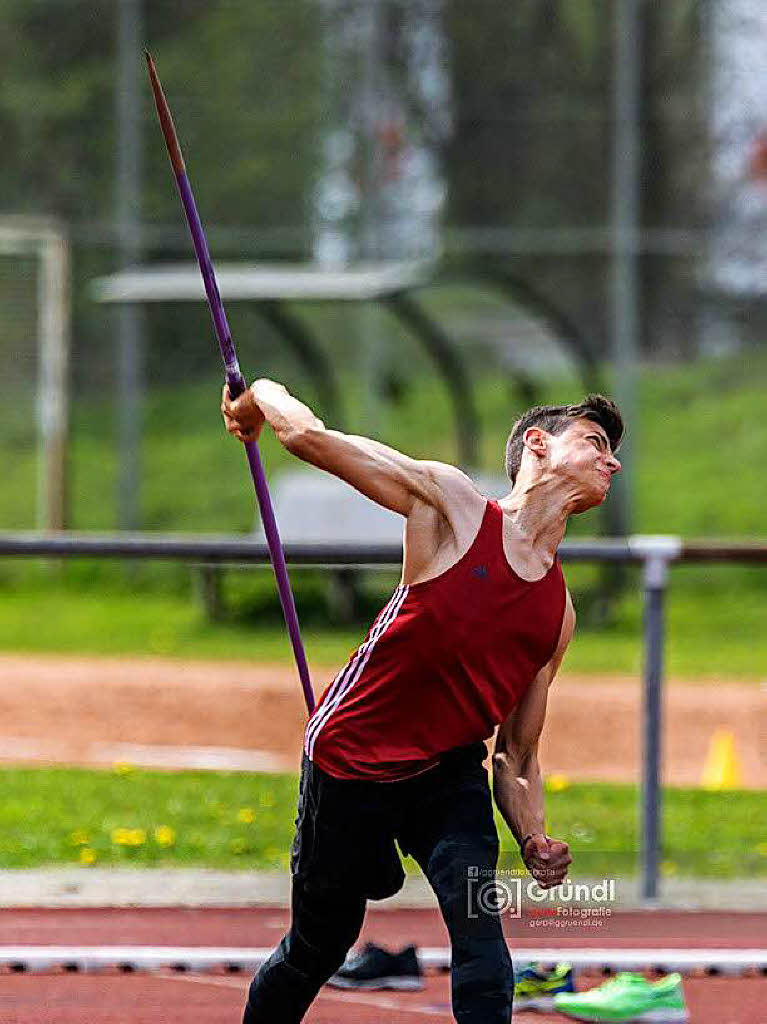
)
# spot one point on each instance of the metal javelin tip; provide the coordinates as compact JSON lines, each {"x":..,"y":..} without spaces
{"x":166,"y":121}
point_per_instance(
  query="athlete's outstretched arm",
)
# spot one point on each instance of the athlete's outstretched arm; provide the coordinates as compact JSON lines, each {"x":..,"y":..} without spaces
{"x":517,"y":783}
{"x":388,"y":477}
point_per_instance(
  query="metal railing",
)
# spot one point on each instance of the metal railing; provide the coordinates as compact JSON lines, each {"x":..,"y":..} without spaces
{"x":653,"y":553}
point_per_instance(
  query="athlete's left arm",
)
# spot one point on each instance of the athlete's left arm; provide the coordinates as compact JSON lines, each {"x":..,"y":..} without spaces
{"x":517,"y":785}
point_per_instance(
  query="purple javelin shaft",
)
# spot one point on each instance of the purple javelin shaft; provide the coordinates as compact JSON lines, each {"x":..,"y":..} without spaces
{"x":235,"y":381}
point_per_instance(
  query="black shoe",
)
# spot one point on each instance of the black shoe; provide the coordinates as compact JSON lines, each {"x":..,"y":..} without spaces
{"x":376,"y":968}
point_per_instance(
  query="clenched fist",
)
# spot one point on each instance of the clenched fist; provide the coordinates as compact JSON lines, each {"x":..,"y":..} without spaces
{"x":546,"y":859}
{"x":243,"y":418}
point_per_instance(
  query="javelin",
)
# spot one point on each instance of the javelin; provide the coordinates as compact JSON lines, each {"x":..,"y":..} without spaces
{"x":234,"y":378}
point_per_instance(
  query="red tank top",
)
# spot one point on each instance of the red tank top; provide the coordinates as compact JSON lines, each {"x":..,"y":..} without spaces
{"x":443,"y":664}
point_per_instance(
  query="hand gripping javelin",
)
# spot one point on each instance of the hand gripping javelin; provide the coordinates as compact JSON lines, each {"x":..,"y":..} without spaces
{"x":234,"y":378}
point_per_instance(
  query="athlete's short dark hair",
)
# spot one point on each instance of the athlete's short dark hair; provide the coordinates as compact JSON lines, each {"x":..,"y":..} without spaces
{"x":555,"y":419}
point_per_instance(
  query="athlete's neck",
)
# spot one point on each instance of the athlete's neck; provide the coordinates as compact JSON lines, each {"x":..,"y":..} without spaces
{"x":539,"y":509}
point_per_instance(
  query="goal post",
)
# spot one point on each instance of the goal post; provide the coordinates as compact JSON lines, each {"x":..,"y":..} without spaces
{"x":43,"y":242}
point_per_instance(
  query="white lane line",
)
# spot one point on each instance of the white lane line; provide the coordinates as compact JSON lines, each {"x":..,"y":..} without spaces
{"x":200,"y":979}
{"x":206,"y":758}
{"x":382,"y":1003}
{"x":374,"y":1002}
{"x":142,"y":755}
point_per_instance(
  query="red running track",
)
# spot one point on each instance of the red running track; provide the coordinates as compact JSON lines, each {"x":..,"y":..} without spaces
{"x":215,"y":999}
{"x":263,"y":926}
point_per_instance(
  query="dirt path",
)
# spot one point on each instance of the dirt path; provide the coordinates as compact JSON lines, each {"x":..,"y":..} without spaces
{"x":168,"y":713}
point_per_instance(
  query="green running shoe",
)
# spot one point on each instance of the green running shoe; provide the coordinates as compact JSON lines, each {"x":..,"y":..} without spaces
{"x":628,"y":999}
{"x":535,"y":988}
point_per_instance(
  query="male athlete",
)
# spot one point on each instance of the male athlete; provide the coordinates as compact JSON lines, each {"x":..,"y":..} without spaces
{"x":470,"y":640}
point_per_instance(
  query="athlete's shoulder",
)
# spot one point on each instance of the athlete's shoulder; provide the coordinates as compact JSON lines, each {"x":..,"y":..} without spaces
{"x":459,"y":490}
{"x":448,"y":474}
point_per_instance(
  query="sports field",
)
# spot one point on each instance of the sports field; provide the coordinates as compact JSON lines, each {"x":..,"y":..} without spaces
{"x":130,"y":717}
{"x":60,"y":996}
{"x":93,"y":710}
{"x":114,"y":714}
{"x":524,"y":239}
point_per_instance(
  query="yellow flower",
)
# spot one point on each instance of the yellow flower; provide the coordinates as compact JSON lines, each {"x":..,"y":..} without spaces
{"x":556,"y":783}
{"x":246,"y":815}
{"x":79,"y":838}
{"x":761,"y":849}
{"x":122,"y":768}
{"x":128,"y":836}
{"x":668,"y":867}
{"x":87,"y":856}
{"x":164,"y":835}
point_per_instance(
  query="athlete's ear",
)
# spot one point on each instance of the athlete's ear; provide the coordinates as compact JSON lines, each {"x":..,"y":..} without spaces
{"x":536,"y":439}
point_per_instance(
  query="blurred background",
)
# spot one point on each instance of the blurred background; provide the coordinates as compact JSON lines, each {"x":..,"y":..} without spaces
{"x":576,"y":190}
{"x":441,"y":212}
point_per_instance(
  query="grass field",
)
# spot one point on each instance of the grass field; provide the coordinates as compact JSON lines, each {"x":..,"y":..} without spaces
{"x":702,"y":446}
{"x":226,"y":820}
{"x":715,"y":623}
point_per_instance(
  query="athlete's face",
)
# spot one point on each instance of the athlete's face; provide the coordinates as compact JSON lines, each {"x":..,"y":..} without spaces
{"x":582,"y":455}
